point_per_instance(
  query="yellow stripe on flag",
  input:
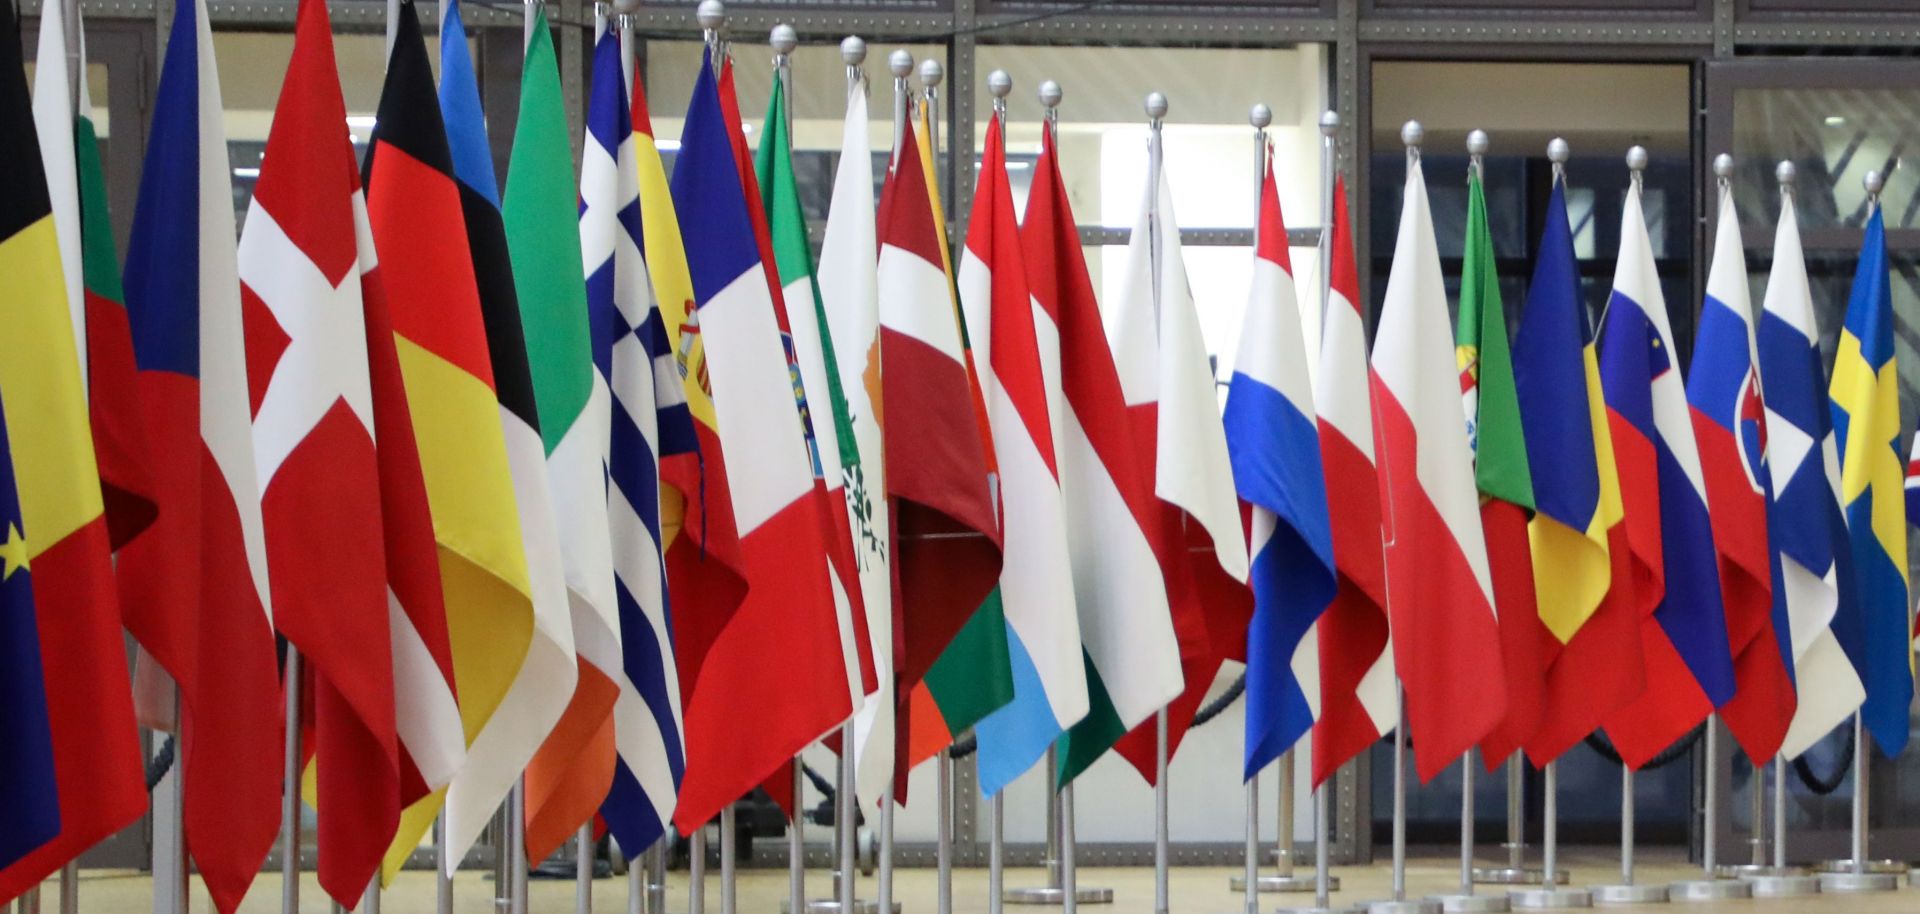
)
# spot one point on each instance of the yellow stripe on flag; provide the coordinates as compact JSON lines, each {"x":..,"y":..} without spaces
{"x":1871,"y":463}
{"x":1572,"y":569}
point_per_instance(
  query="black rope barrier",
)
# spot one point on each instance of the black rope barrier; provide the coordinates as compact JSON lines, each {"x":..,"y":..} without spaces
{"x":1604,"y":748}
{"x":158,"y":765}
{"x":1823,"y":786}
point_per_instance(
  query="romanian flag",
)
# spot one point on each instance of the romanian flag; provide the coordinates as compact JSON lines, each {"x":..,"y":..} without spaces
{"x":1583,"y":592}
{"x":1866,"y":419}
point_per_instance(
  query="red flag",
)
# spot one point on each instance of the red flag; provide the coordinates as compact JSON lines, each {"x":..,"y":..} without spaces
{"x":306,"y":265}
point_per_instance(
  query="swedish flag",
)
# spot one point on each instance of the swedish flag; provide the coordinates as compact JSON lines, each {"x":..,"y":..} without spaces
{"x":1866,"y":419}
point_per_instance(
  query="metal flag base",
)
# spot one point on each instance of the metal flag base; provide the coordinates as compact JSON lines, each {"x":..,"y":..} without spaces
{"x":1709,"y":890}
{"x":1336,"y":909}
{"x":1408,"y":906}
{"x":1885,"y":867}
{"x":1848,"y":883}
{"x":1541,"y":899}
{"x":1781,"y":885}
{"x":1741,"y":870}
{"x":832,"y":906}
{"x":1295,"y":883}
{"x":1514,"y":875}
{"x":1473,"y":904}
{"x":1056,"y":895}
{"x":1629,"y":894}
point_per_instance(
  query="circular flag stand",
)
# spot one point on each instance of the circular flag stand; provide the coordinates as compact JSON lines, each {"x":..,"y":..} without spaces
{"x":1859,"y":874}
{"x":1780,"y":880}
{"x":1411,"y":134}
{"x":1516,"y":872}
{"x":1465,"y":901}
{"x":1712,"y":888}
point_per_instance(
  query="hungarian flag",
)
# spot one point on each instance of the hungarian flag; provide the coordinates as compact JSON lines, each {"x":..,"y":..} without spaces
{"x":1127,"y":643}
{"x":647,"y":420}
{"x":307,"y":268}
{"x":1816,"y":572}
{"x":1447,"y":639}
{"x":1153,"y":327}
{"x":1359,"y":695}
{"x":1683,"y":634}
{"x":1865,"y":396}
{"x":1037,"y":573}
{"x":743,"y":724}
{"x":30,"y":792}
{"x":1729,"y":418}
{"x":862,"y":602}
{"x":1501,"y":473}
{"x":706,"y":565}
{"x":570,"y":774}
{"x":1585,"y":586}
{"x":945,"y":541}
{"x":1274,"y":442}
{"x":973,"y":676}
{"x":415,"y":208}
{"x":198,"y":597}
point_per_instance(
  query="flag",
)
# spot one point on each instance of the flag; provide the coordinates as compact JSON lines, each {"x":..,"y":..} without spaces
{"x":570,"y":774}
{"x":307,"y":267}
{"x":450,"y":381}
{"x":1913,"y":485}
{"x":119,"y":437}
{"x":1580,"y":535}
{"x":1274,"y":443}
{"x":648,"y":420}
{"x":1729,"y":416}
{"x":64,"y":653}
{"x":1359,"y":694}
{"x":1127,"y":642}
{"x":706,"y":566}
{"x":742,"y":723}
{"x":29,"y":791}
{"x":1502,"y":474}
{"x":1865,"y":395}
{"x":199,"y":598}
{"x":53,"y":124}
{"x":1447,"y":638}
{"x":945,"y":537}
{"x":973,"y":676}
{"x":1683,"y":634}
{"x":1816,"y":572}
{"x":1153,"y":327}
{"x":862,"y":602}
{"x":1036,"y":575}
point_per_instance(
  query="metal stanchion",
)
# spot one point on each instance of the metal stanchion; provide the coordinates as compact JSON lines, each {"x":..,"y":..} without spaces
{"x":290,"y":789}
{"x":728,"y":901}
{"x":1712,"y":888}
{"x":1516,"y":872}
{"x":1161,"y":844}
{"x":583,"y":870}
{"x":1626,"y":892}
{"x":1411,"y":134}
{"x":1465,"y":901}
{"x":697,"y":872}
{"x":943,"y":846}
{"x":1550,"y":894}
{"x":1859,"y":874}
{"x":1779,"y":880}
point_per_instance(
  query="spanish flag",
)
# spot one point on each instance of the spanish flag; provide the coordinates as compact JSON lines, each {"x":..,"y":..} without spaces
{"x":61,"y":533}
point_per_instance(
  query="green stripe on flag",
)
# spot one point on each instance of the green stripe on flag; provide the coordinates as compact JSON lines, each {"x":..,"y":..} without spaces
{"x":1501,"y":469}
{"x":974,"y":675}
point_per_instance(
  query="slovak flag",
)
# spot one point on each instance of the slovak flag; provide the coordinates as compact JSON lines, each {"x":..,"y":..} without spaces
{"x":1273,"y":441}
{"x":1729,"y":420}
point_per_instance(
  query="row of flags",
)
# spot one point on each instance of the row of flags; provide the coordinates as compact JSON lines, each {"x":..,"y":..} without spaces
{"x":615,"y":491}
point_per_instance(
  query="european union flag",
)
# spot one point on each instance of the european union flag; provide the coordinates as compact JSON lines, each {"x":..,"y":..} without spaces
{"x":1866,"y":420}
{"x":29,"y":797}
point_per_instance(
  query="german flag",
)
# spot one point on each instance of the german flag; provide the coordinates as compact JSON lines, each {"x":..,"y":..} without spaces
{"x":62,"y":531}
{"x":414,"y":204}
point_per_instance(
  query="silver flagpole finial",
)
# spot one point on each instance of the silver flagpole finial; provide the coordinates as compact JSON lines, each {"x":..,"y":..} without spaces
{"x":1637,"y":159}
{"x":1412,"y":134}
{"x":931,"y":73}
{"x":1156,"y":105}
{"x":900,"y":62}
{"x":1784,"y":173}
{"x":1873,"y":181}
{"x":853,"y":50}
{"x":1723,"y":168}
{"x":712,"y":15}
{"x":1050,"y":95}
{"x":1478,"y":143}
{"x":1329,"y":123}
{"x":1260,"y":116}
{"x":999,"y":84}
{"x":1558,"y":152}
{"x":784,"y":39}
{"x":626,"y":7}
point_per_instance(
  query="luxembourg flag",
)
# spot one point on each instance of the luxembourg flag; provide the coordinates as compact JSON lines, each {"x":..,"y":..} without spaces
{"x":1729,"y":417}
{"x":1808,"y":530}
{"x":1274,"y":444}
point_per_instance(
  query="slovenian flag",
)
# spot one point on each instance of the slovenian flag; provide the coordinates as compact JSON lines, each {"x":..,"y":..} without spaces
{"x":1273,"y":441}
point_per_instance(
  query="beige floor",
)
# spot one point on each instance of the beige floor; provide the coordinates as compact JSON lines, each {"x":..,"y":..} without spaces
{"x":1197,"y":890}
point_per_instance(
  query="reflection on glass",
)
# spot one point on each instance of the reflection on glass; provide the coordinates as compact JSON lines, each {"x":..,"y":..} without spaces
{"x":1833,"y":137}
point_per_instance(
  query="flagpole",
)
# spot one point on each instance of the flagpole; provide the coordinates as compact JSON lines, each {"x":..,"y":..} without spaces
{"x":1516,"y":871}
{"x":517,"y":847}
{"x":900,"y":64}
{"x":657,"y":874}
{"x":583,"y":869}
{"x":442,"y":869}
{"x":1710,"y":887}
{"x":931,"y":73}
{"x":697,"y":871}
{"x":1857,"y":873}
{"x":290,"y":789}
{"x":728,"y":834}
{"x":943,"y":826}
{"x":1323,"y":882}
{"x":996,"y":854}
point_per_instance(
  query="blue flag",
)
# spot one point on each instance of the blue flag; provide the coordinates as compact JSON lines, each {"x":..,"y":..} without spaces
{"x":29,"y":798}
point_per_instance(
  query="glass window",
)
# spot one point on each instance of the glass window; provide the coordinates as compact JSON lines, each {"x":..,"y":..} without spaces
{"x":1833,"y":137}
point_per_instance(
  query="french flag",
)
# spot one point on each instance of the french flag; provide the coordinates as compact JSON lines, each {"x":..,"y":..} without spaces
{"x":1274,"y":442}
{"x":1729,"y":418}
{"x":1689,"y":668}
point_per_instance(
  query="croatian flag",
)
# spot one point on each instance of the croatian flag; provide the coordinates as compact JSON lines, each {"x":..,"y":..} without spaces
{"x":1274,"y":443}
{"x":1729,"y":416}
